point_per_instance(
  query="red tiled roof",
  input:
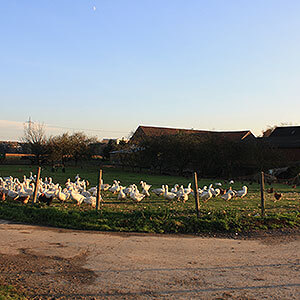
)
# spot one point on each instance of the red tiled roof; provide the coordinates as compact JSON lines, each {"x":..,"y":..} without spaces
{"x":158,"y":131}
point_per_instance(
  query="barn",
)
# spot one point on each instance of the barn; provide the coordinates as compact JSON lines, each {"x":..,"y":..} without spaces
{"x":151,"y":131}
{"x":287,"y":139}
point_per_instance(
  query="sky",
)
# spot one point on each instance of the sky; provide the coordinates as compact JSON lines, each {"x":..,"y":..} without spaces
{"x":107,"y":66}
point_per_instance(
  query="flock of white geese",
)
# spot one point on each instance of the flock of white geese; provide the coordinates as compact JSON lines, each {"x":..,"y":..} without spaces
{"x":79,"y":191}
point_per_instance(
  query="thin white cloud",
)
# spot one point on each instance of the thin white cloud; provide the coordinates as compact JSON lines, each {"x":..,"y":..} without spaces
{"x":14,"y":130}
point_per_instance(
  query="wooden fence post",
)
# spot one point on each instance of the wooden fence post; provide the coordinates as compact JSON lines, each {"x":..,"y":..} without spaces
{"x":262,"y":187}
{"x":99,"y":190}
{"x":37,"y":184}
{"x":196,"y":195}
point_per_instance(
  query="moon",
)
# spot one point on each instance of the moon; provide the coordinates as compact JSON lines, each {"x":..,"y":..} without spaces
{"x":94,"y":8}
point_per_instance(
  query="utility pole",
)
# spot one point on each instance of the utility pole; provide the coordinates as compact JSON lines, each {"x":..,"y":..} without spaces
{"x":29,"y":123}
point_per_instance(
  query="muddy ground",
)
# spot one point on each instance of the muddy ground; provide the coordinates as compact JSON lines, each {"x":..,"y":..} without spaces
{"x":49,"y":263}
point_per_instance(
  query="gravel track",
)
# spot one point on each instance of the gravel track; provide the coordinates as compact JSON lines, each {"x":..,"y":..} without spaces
{"x":50,"y":263}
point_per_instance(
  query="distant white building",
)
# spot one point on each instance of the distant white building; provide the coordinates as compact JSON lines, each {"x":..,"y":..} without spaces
{"x":118,"y":140}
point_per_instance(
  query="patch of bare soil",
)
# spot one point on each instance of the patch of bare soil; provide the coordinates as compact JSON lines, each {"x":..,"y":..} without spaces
{"x":44,"y":277}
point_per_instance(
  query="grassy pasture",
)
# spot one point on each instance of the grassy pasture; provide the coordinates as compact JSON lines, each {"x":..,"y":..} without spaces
{"x":8,"y":292}
{"x":155,"y":214}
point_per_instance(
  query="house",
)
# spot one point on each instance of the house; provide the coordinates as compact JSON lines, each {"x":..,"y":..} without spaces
{"x":150,"y":131}
{"x":287,"y":139}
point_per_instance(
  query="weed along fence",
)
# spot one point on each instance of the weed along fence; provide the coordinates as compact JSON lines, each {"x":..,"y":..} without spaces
{"x":113,"y":200}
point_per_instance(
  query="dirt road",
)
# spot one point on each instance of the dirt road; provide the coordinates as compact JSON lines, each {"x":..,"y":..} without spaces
{"x":52,"y":263}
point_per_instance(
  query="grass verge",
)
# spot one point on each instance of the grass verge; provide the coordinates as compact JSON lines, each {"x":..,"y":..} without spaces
{"x":147,"y":219}
{"x":8,"y":292}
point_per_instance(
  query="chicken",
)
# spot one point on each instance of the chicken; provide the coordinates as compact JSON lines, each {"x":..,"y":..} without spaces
{"x":277,"y":196}
{"x":44,"y":199}
{"x":23,"y":199}
{"x":270,"y":190}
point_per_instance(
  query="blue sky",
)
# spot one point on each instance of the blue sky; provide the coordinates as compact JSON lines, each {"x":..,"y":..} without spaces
{"x":223,"y":65}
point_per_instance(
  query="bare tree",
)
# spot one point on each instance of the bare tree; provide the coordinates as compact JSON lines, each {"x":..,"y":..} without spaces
{"x":80,"y":143}
{"x":35,"y":137}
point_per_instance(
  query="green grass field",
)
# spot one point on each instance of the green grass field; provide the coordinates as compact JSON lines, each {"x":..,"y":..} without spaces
{"x":155,"y":214}
{"x":8,"y":292}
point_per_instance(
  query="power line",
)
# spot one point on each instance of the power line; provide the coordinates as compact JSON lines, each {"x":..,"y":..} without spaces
{"x":86,"y":129}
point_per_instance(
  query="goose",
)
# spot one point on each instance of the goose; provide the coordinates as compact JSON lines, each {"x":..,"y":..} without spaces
{"x":206,"y":195}
{"x":105,"y":187}
{"x":49,"y":193}
{"x":146,"y":188}
{"x":136,"y":195}
{"x":231,"y":192}
{"x":128,"y":190}
{"x":9,"y":178}
{"x":93,"y":190}
{"x":29,"y":188}
{"x":145,"y":185}
{"x":77,"y":197}
{"x":85,"y":193}
{"x":227,"y":196}
{"x":188,"y":189}
{"x":122,"y":194}
{"x":175,"y":188}
{"x":243,"y":192}
{"x":31,"y":177}
{"x":62,"y":196}
{"x":115,"y":187}
{"x":91,"y":200}
{"x":180,"y":192}
{"x":216,"y":192}
{"x":182,"y":195}
{"x":169,"y":195}
{"x":12,"y":193}
{"x":159,"y":191}
{"x":22,"y":193}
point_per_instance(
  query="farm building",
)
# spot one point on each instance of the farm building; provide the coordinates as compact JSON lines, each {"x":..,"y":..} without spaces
{"x":144,"y":132}
{"x":150,"y":131}
{"x":287,"y":139}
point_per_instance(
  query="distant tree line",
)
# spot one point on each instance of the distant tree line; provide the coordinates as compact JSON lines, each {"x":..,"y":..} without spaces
{"x":57,"y":149}
{"x":210,"y":155}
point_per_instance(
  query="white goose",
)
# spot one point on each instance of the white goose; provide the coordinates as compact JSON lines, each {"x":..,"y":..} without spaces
{"x":61,"y":196}
{"x":115,"y":188}
{"x":146,"y":188}
{"x":169,"y":195}
{"x":77,"y":197}
{"x":227,"y":196}
{"x":206,"y":195}
{"x":159,"y":191}
{"x":188,"y":190}
{"x":91,"y":201}
{"x":136,"y":195}
{"x":175,"y":188}
{"x":122,"y":194}
{"x":243,"y":192}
